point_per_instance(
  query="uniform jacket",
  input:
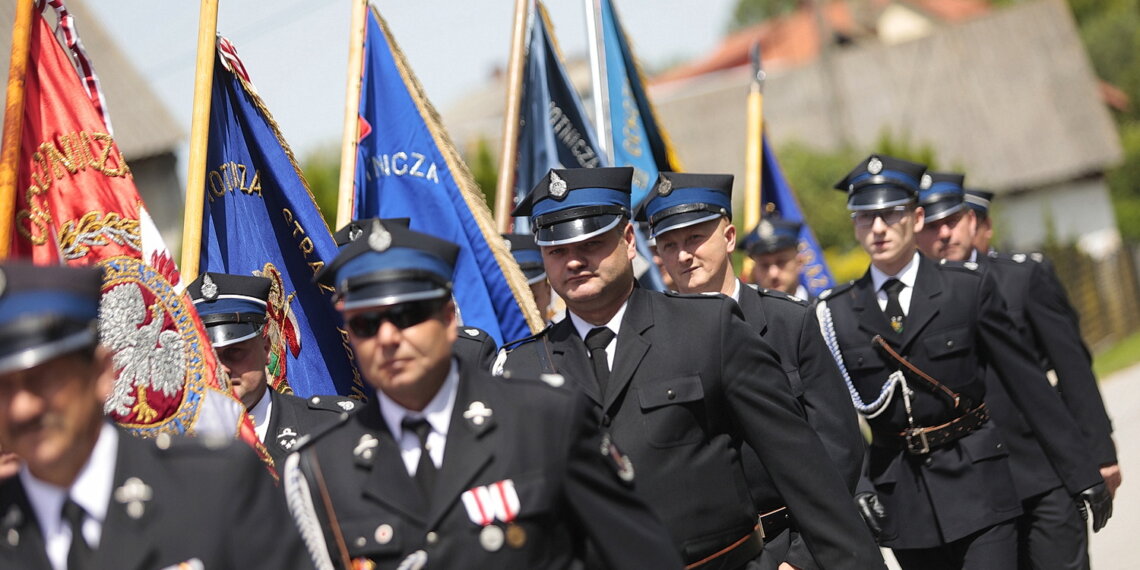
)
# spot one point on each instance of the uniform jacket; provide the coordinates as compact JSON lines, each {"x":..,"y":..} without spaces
{"x":539,"y":437}
{"x":217,"y":506}
{"x":791,"y":328}
{"x":475,"y":346}
{"x":690,"y":384}
{"x":291,"y":418}
{"x":1040,"y":307}
{"x":956,"y":326}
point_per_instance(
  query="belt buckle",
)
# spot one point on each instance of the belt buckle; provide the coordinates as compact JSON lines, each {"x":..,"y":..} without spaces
{"x":916,"y":442}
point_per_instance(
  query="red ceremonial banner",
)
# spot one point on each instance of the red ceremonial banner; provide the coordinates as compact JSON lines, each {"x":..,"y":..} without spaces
{"x":76,"y":202}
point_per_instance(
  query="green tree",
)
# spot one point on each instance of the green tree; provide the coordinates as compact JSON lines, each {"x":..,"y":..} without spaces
{"x":812,"y":175}
{"x":322,"y":171}
{"x":485,"y":170}
{"x":749,"y":12}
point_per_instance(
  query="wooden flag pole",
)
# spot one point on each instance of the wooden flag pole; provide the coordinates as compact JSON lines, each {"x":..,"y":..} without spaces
{"x":199,"y":140}
{"x":508,"y":153}
{"x":14,"y":120}
{"x":754,"y":154}
{"x":346,"y":192}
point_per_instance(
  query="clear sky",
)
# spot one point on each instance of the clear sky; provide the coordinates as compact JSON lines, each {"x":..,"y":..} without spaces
{"x":296,"y":51}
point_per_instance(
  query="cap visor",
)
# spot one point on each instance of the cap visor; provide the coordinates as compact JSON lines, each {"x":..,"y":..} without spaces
{"x":231,"y":333}
{"x":879,"y":197}
{"x":940,"y":210}
{"x":386,"y":293}
{"x":682,"y":220}
{"x":576,"y":230}
{"x":36,"y":352}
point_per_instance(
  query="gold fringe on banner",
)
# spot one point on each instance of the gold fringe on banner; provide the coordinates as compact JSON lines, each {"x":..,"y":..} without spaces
{"x":467,"y":187}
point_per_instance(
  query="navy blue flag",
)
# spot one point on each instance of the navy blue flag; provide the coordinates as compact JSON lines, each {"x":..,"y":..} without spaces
{"x":777,"y":193}
{"x":555,"y":132}
{"x":406,"y":167}
{"x":260,"y":219}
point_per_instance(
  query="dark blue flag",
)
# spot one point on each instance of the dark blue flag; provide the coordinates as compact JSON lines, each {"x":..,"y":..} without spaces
{"x":406,"y":167}
{"x":777,"y":192}
{"x":260,"y":219}
{"x":555,"y":132}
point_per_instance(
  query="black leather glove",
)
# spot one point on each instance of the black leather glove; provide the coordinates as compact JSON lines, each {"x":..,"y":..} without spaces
{"x":874,"y":514}
{"x":1099,"y":502}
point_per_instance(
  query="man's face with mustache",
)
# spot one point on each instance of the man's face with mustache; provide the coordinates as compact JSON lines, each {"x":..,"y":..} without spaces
{"x":50,"y":414}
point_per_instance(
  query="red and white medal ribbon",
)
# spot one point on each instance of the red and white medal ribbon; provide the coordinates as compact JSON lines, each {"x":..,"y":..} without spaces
{"x":488,"y":503}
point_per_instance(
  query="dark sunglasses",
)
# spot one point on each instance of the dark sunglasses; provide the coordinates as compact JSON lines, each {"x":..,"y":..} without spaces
{"x":404,"y":315}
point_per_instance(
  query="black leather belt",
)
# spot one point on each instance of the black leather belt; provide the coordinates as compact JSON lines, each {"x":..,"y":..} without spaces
{"x":920,"y":440}
{"x":735,"y":555}
{"x":774,"y":522}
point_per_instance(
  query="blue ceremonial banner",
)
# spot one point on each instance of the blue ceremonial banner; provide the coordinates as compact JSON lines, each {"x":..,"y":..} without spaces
{"x":406,"y":167}
{"x":260,"y":219}
{"x":637,"y":139}
{"x":554,"y":132}
{"x":777,"y":192}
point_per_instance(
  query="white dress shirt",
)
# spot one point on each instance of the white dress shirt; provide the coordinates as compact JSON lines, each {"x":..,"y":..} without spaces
{"x":259,"y":415}
{"x":91,"y":491}
{"x":614,"y":324}
{"x":438,"y":415}
{"x":907,"y":276}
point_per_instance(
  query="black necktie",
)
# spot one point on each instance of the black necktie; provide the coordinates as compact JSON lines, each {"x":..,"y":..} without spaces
{"x":425,"y":469}
{"x":79,"y":555}
{"x":597,"y":340}
{"x":894,"y":310}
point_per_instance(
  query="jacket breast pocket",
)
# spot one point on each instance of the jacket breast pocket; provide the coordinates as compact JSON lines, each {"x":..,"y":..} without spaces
{"x":671,"y":410}
{"x":864,"y":358}
{"x":940,"y":344}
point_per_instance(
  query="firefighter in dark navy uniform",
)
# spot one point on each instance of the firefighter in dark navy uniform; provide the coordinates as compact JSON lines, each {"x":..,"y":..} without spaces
{"x":448,"y":465}
{"x":773,"y":246}
{"x":681,"y":383}
{"x":472,"y":343}
{"x":91,"y":495}
{"x":1051,"y":532}
{"x":233,"y":309}
{"x":916,"y":337}
{"x":529,"y":258}
{"x":690,"y":217}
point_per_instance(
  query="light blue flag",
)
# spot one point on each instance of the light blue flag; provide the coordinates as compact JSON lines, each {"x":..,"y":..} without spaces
{"x":638,"y":140}
{"x":260,"y":219}
{"x":407,"y":168}
{"x":815,"y":276}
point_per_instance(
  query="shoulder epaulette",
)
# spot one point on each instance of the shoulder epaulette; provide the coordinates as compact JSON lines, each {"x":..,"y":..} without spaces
{"x":966,"y":266}
{"x":182,"y":444}
{"x":838,"y":289}
{"x":473,"y":333}
{"x":783,"y":296}
{"x":324,"y":428}
{"x":553,"y":380}
{"x":509,"y":346}
{"x":332,"y":403}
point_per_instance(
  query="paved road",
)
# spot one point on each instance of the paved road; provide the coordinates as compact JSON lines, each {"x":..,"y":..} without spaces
{"x":1117,"y":546}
